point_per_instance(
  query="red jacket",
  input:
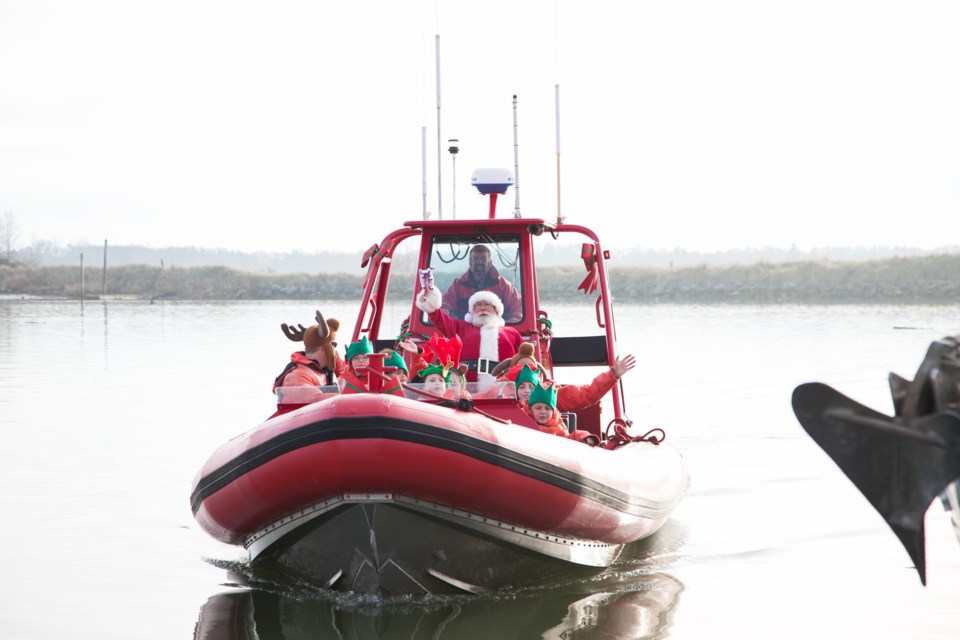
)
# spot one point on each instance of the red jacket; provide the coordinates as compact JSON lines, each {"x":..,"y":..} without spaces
{"x":350,"y":383}
{"x":572,"y":397}
{"x":556,"y":426}
{"x":458,"y":294}
{"x":301,"y":371}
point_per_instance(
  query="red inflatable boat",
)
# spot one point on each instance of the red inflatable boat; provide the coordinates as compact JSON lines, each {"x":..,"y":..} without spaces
{"x":385,"y":495}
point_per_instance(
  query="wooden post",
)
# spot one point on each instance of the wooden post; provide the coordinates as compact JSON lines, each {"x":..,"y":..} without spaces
{"x":82,"y":294}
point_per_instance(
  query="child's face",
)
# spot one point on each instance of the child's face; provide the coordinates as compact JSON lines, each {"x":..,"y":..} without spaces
{"x":456,"y":384}
{"x":402,"y":375}
{"x":524,"y":391}
{"x":434,"y":383}
{"x":541,"y":412}
{"x":360,"y":361}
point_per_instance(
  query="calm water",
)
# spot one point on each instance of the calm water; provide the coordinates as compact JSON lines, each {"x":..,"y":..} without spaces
{"x":108,"y":411}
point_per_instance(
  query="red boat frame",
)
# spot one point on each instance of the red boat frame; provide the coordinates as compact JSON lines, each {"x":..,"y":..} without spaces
{"x":380,"y":256}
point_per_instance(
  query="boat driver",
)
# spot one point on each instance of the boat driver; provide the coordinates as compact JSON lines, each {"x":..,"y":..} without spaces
{"x":481,"y":275}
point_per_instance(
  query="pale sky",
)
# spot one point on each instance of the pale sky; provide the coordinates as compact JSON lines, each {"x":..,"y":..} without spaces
{"x":282,"y":125}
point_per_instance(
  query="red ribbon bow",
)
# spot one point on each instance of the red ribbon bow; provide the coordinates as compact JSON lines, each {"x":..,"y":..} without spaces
{"x":369,"y":253}
{"x":373,"y":256}
{"x":443,"y":351}
{"x":589,"y":254}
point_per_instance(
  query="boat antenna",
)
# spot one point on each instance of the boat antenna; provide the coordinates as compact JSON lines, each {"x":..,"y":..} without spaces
{"x":516,"y":161}
{"x":423,"y":171}
{"x":556,"y":92}
{"x":454,"y":148}
{"x":439,"y":156}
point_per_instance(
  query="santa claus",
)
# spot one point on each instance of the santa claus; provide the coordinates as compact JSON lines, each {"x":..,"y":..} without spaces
{"x":486,"y":339}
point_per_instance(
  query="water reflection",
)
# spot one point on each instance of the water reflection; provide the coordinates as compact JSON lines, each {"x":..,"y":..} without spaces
{"x":642,"y":608}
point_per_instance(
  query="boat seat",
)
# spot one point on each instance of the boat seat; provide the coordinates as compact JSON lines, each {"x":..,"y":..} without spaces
{"x":570,"y":420}
{"x":578,"y":351}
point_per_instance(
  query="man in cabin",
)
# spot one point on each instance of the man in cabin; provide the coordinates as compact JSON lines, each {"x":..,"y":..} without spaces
{"x":486,"y":341}
{"x":481,"y":275}
{"x":318,"y":364}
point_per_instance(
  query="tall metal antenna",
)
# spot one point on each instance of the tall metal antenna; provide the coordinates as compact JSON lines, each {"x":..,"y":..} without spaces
{"x":557,"y":102}
{"x":516,"y":161}
{"x":439,"y":157}
{"x":423,"y":170}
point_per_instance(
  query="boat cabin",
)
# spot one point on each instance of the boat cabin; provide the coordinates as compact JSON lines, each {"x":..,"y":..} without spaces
{"x":447,"y":247}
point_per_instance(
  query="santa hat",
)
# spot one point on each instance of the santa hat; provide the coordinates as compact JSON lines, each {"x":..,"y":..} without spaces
{"x":488,"y":296}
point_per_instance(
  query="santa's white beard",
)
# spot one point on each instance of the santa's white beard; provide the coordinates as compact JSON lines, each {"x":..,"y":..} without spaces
{"x":489,"y":333}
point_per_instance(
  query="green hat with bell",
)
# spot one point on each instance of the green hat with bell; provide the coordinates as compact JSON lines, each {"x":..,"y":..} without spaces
{"x":358,"y":348}
{"x":546,"y":396}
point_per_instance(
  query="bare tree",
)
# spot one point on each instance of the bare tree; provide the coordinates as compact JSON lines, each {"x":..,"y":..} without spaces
{"x":9,"y":231}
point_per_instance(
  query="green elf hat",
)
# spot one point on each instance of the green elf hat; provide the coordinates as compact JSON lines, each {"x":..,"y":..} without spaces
{"x":395,"y":360}
{"x":360,"y":347}
{"x":527,"y":374}
{"x":443,"y":370}
{"x":539,"y":394}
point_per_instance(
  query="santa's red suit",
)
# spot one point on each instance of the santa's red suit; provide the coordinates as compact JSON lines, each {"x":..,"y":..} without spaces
{"x":483,"y":346}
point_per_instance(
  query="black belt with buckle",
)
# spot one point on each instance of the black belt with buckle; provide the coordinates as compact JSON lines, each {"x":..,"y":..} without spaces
{"x":483,"y":365}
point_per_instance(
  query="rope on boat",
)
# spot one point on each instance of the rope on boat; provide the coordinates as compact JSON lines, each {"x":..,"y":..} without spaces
{"x":460,"y":404}
{"x":621,"y":436}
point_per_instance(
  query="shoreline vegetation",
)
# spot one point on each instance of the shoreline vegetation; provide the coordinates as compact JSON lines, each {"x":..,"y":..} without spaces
{"x":933,"y":279}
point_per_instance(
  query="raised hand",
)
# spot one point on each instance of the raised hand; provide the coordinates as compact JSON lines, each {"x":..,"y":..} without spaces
{"x":622,"y":365}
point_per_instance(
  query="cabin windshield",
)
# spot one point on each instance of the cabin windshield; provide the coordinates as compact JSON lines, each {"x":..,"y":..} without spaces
{"x":467,"y":263}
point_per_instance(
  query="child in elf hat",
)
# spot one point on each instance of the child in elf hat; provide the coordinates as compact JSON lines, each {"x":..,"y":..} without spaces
{"x":435,"y":380}
{"x":394,"y":359}
{"x":570,"y":397}
{"x":525,"y":381}
{"x":444,"y":375}
{"x":457,"y":385}
{"x":356,"y":377}
{"x":401,"y":373}
{"x":508,"y":370}
{"x":542,"y":407}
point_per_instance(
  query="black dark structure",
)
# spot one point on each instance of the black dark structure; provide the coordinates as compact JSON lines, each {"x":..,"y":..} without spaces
{"x":900,"y":463}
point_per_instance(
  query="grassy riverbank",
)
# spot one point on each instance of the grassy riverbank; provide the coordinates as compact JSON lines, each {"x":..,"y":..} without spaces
{"x":914,"y":280}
